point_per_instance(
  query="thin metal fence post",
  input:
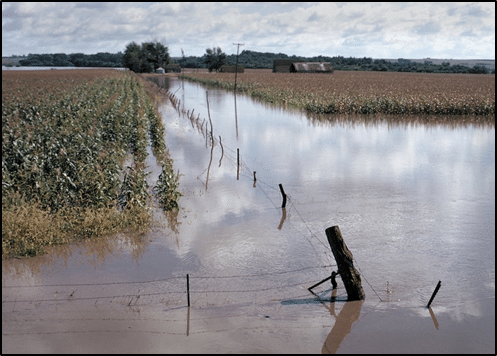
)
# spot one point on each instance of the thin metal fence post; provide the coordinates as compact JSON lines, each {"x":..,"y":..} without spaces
{"x":188,"y":288}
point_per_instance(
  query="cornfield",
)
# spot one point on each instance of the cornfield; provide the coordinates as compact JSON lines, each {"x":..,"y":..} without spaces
{"x":348,"y":92}
{"x":74,"y":145}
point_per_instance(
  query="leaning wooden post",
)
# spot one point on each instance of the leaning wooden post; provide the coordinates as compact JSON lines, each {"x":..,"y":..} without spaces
{"x":434,"y":293}
{"x":350,"y":277}
{"x":283,"y":204}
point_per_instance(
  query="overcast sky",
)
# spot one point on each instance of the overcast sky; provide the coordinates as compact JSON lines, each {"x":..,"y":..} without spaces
{"x":377,"y":30}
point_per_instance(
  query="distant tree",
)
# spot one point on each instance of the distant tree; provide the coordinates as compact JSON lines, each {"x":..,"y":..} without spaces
{"x":145,"y":58}
{"x":156,"y":54}
{"x":61,"y":60}
{"x":132,"y":58}
{"x":37,"y":60}
{"x":478,"y":69}
{"x":78,"y":59}
{"x":214,"y":58}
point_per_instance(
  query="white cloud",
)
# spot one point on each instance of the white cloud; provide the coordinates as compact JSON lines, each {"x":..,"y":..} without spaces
{"x":392,"y":30}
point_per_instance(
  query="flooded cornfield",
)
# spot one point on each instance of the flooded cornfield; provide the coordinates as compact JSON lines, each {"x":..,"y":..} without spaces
{"x":414,"y":200}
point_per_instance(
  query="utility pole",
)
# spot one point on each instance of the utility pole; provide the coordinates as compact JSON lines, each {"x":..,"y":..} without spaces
{"x":236,"y":67}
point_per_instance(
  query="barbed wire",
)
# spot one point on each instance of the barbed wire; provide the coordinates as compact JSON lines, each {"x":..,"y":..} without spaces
{"x":140,"y":294}
{"x":246,"y":172}
{"x":170,"y":278}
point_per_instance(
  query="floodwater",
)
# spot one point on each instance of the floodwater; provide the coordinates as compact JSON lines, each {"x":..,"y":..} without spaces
{"x":415,"y":204}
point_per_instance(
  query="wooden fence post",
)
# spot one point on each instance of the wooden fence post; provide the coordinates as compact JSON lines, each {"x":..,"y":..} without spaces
{"x":434,"y":293}
{"x":284,"y":196}
{"x":237,"y":164}
{"x":188,"y":288}
{"x":350,"y":276}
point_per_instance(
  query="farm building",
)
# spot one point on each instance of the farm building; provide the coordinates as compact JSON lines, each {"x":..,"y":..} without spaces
{"x":231,"y":69}
{"x":283,"y":65}
{"x":311,"y":67}
{"x":295,"y":66}
{"x":172,"y":68}
{"x":159,"y":70}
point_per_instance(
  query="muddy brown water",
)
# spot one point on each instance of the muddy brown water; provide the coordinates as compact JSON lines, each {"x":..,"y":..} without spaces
{"x":415,"y":204}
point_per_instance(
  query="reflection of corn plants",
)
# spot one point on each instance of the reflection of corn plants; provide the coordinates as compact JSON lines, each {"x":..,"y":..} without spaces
{"x":166,"y":189}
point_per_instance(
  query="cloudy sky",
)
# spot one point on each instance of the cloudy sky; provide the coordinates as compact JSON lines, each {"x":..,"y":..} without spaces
{"x":378,"y":30}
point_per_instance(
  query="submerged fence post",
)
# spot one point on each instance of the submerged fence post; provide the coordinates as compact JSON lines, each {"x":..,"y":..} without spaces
{"x":434,"y":293}
{"x":350,"y":277}
{"x":237,"y":164}
{"x":284,"y":196}
{"x":188,"y":288}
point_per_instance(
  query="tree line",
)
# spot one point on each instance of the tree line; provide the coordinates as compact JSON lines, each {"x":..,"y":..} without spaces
{"x":256,"y":60}
{"x":149,"y":56}
{"x":101,"y":59}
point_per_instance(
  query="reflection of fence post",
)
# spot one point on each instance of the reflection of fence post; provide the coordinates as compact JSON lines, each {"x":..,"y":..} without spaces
{"x":350,"y":277}
{"x":209,"y":112}
{"x":284,"y":196}
{"x":222,"y":151}
{"x":283,"y":217}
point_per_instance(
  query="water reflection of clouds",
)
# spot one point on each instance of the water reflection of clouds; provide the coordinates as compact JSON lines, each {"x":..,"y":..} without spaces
{"x":398,"y":182}
{"x":232,"y":221}
{"x":412,"y":211}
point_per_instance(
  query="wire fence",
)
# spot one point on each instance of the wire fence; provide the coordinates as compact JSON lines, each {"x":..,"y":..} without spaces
{"x":204,"y":289}
{"x":232,"y":157}
{"x":244,"y":170}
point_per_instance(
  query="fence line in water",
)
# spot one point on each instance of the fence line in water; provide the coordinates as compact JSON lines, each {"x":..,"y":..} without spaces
{"x":247,"y":172}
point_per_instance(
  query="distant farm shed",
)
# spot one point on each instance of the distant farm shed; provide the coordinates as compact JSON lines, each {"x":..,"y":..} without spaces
{"x":159,"y":70}
{"x":311,"y":67}
{"x":231,"y":69}
{"x":172,"y":68}
{"x":283,"y":65}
